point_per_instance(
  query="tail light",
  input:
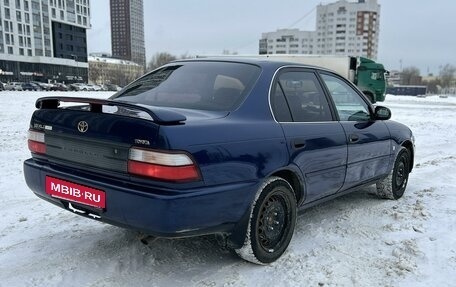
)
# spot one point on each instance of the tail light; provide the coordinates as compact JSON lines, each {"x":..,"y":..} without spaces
{"x":36,"y":142}
{"x":162,"y":166}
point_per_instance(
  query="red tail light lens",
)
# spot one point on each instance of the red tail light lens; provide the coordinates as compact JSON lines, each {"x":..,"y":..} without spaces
{"x":36,"y":142}
{"x":172,"y":173}
{"x":162,"y":166}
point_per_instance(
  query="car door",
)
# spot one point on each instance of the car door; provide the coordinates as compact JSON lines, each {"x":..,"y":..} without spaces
{"x":316,"y":142}
{"x":368,"y":140}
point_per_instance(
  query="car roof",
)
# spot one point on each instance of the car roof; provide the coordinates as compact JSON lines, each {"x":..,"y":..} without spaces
{"x":261,"y":62}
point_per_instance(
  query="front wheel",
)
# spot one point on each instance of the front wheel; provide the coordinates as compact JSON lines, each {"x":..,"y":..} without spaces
{"x":393,"y":186}
{"x":272,"y":222}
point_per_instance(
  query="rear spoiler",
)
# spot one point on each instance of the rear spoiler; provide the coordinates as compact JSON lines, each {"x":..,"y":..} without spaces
{"x":158,"y":115}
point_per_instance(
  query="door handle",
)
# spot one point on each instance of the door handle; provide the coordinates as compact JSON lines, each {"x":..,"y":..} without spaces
{"x":298,"y":143}
{"x":353,"y":138}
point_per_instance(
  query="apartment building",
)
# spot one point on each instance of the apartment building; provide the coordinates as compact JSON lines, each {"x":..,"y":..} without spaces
{"x":104,"y":70}
{"x":342,"y":28}
{"x":287,"y":41}
{"x":44,"y":40}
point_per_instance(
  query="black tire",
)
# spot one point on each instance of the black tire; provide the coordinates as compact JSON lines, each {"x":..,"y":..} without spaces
{"x":393,"y":186}
{"x":272,"y":222}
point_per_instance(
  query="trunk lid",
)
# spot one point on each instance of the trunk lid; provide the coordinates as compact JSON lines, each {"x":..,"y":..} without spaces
{"x":99,"y":133}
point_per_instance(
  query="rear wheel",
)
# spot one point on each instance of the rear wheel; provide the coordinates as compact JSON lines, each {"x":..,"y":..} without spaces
{"x":393,"y":186}
{"x":271,"y":224}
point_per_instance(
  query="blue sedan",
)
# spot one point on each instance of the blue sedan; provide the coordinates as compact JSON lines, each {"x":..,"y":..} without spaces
{"x":215,"y":146}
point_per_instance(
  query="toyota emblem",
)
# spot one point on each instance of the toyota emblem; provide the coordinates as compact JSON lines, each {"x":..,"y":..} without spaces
{"x":83,"y":126}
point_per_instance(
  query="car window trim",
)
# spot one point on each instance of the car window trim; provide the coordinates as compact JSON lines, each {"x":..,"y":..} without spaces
{"x":288,"y":68}
{"x":350,"y":84}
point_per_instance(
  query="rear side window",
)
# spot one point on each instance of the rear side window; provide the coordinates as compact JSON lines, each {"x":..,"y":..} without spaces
{"x":279,"y":106}
{"x":304,"y":97}
{"x":214,"y":86}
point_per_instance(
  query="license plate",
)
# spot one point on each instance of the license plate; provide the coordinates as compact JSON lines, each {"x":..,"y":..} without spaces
{"x":75,"y":192}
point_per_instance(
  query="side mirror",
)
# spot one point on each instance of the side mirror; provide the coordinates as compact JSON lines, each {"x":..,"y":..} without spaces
{"x":382,"y":113}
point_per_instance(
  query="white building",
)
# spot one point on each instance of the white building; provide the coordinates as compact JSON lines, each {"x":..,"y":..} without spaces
{"x":342,"y":28}
{"x":287,"y":41}
{"x":106,"y":70}
{"x":44,"y":40}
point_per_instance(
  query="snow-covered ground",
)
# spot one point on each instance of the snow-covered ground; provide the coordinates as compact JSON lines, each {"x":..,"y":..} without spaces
{"x":356,"y":240}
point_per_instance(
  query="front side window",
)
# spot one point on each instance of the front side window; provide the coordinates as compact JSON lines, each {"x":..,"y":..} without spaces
{"x":213,"y":86}
{"x":349,"y":104}
{"x":303,"y":95}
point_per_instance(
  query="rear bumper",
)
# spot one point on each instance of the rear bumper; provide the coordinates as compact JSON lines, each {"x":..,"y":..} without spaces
{"x":157,"y":211}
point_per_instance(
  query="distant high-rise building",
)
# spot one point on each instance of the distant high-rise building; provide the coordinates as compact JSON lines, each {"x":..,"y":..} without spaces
{"x":44,"y":40}
{"x":342,"y":28}
{"x":348,"y":28}
{"x":127,"y":30}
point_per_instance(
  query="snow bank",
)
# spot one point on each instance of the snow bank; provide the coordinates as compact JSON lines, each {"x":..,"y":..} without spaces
{"x":356,"y":240}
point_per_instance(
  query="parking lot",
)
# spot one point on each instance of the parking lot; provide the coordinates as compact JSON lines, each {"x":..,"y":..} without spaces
{"x":356,"y":240}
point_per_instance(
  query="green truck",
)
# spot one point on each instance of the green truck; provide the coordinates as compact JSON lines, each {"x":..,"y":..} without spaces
{"x":370,"y":78}
{"x":367,"y":75}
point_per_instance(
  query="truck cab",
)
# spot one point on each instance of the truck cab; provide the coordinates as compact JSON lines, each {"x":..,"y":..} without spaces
{"x":370,"y":79}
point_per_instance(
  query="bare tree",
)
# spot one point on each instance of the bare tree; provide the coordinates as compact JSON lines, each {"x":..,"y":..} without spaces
{"x":186,"y":55}
{"x":446,"y":75}
{"x":95,"y":72}
{"x":433,"y":85}
{"x":160,"y":59}
{"x":410,"y":76}
{"x":118,"y":77}
{"x":132,"y":76}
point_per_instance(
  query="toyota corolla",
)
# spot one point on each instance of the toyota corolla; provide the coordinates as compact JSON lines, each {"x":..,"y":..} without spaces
{"x":216,"y":146}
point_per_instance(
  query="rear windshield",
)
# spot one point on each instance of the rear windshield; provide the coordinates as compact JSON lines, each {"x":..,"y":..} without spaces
{"x":214,"y":86}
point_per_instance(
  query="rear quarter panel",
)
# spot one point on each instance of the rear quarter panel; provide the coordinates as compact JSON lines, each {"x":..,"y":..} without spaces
{"x":231,"y":150}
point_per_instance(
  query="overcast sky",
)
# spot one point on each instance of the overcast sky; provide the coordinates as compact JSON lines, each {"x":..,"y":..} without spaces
{"x":419,"y":33}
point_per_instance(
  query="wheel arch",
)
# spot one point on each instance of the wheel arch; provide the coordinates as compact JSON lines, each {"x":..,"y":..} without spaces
{"x":296,"y":182}
{"x":409,"y":146}
{"x":290,"y":174}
